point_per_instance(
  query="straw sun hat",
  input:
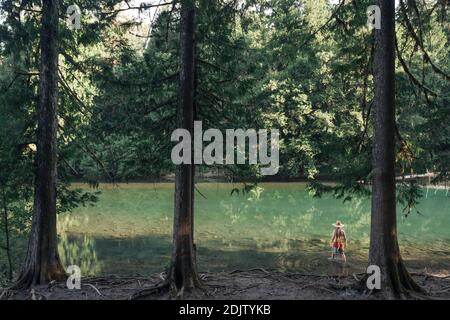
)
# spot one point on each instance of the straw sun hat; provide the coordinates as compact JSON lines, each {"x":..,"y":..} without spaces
{"x":338,"y":224}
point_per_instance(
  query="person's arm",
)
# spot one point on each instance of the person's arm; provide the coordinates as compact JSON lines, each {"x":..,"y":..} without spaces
{"x":333,"y":235}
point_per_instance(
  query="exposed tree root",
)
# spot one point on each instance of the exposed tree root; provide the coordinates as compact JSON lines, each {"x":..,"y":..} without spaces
{"x":249,"y":270}
{"x":403,"y":294}
{"x":32,"y":275}
{"x":442,"y":291}
{"x":6,"y":294}
{"x":222,"y":285}
{"x":168,"y":288}
{"x":429,"y":275}
{"x":95,"y":288}
{"x":36,"y":295}
{"x":396,"y":284}
{"x":159,"y":289}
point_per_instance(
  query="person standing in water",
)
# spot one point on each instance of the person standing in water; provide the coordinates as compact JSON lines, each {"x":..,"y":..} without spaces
{"x":338,"y":241}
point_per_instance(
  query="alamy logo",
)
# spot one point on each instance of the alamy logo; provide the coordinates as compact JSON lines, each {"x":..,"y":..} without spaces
{"x":74,"y":17}
{"x":74,"y":280}
{"x":213,"y":152}
{"x":374,"y":17}
{"x":374,"y":280}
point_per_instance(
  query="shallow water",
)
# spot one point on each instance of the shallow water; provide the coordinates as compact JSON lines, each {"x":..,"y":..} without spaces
{"x":277,"y":226}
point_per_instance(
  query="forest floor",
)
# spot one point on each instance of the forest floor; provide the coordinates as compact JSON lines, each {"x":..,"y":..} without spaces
{"x":255,"y":284}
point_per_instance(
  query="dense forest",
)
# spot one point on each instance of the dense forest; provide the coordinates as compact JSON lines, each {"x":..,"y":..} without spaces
{"x":365,"y":108}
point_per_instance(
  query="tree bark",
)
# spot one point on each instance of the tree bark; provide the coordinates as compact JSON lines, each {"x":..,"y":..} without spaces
{"x":42,"y":263}
{"x":384,"y":249}
{"x":7,"y":242}
{"x":183,"y":272}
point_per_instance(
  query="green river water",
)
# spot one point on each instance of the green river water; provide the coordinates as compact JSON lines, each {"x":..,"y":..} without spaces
{"x":277,"y":226}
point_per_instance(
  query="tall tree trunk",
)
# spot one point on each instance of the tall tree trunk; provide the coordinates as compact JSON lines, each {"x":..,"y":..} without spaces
{"x":7,"y":242}
{"x":384,"y":249}
{"x":42,"y":263}
{"x":183,"y":272}
{"x":195,"y":117}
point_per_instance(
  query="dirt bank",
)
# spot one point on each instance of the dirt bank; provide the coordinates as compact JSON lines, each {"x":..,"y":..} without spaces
{"x":255,"y":284}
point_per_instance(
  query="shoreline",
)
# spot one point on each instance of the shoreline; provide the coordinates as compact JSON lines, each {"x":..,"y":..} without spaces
{"x":254,"y":284}
{"x":222,"y":182}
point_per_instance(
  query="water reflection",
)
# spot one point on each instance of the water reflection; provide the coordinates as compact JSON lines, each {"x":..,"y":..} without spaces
{"x":81,"y":252}
{"x":277,"y":226}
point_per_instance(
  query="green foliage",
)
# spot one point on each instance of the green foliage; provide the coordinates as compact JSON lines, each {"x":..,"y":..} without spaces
{"x":408,"y":196}
{"x":301,"y":66}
